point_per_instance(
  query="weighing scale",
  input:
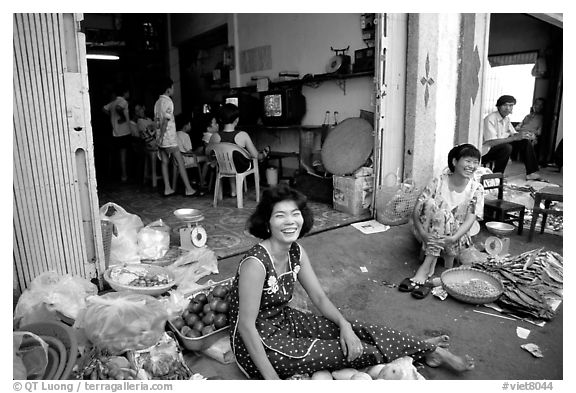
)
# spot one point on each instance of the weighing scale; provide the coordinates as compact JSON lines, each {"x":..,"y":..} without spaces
{"x":497,"y":246}
{"x":193,"y":235}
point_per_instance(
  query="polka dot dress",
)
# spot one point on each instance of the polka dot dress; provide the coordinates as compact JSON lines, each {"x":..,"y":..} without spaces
{"x":302,"y":343}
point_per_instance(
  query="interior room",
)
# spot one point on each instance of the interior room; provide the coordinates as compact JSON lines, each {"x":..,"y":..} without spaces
{"x":336,"y":105}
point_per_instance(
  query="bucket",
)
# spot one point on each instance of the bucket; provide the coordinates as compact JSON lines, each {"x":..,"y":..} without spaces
{"x":272,"y":176}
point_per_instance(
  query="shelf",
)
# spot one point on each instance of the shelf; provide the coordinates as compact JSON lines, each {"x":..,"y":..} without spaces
{"x":314,"y":80}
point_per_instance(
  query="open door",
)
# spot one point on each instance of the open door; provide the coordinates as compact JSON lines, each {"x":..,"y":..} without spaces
{"x":55,"y":206}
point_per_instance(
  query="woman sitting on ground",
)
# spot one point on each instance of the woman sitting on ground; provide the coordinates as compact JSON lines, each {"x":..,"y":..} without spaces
{"x":445,"y":212}
{"x":272,"y":340}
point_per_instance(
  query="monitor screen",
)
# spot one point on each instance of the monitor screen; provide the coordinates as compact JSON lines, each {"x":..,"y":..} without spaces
{"x":273,"y":105}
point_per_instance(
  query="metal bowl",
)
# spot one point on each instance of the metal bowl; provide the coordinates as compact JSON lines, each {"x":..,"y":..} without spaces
{"x":189,"y":215}
{"x":500,"y":228}
{"x":140,"y":269}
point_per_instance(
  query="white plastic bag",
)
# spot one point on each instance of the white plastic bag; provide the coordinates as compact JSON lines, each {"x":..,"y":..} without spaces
{"x":124,"y":244}
{"x":154,"y":240}
{"x":192,"y":266}
{"x":50,"y":292}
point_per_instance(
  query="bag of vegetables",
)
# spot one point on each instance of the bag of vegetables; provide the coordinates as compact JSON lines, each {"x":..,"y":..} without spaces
{"x":122,"y":321}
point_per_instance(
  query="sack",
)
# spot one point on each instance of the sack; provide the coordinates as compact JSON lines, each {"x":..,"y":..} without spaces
{"x":395,"y":201}
{"x":154,"y":240}
{"x":124,"y":244}
{"x":122,"y":321}
{"x":49,"y":293}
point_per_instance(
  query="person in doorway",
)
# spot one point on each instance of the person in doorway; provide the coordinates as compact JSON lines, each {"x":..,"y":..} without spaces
{"x":118,"y":111}
{"x":167,"y":138}
{"x":500,"y":135}
{"x":229,"y":116}
{"x":444,"y":213}
{"x":533,"y":121}
{"x":272,"y":340}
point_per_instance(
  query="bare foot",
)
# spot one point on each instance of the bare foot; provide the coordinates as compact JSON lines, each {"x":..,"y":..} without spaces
{"x":168,"y":192}
{"x":443,"y":357}
{"x":421,"y":274}
{"x":442,"y":341}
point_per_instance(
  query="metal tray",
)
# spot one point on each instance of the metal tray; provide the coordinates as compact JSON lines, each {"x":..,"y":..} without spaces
{"x":200,"y":343}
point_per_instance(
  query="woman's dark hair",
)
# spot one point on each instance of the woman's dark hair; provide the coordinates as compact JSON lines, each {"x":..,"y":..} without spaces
{"x":258,"y":223}
{"x":228,"y":113}
{"x":463,"y":150}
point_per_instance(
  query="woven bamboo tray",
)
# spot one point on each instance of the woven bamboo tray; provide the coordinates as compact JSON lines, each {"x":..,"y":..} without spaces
{"x":461,"y":281}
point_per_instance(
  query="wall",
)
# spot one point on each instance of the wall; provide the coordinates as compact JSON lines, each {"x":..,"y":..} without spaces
{"x":431,"y":84}
{"x":299,"y":42}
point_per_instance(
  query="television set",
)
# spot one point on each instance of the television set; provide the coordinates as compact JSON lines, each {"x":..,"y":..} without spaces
{"x":283,"y":107}
{"x":248,"y":105}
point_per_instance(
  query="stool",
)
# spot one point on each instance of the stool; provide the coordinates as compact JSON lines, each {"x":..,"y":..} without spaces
{"x":279,"y":155}
{"x":499,"y":209}
{"x":546,"y":195}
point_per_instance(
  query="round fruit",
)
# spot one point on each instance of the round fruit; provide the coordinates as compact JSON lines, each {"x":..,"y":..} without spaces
{"x":214,"y":303}
{"x":178,"y":323}
{"x":198,"y":325}
{"x":201,"y":298}
{"x":220,"y":320}
{"x":208,"y":318}
{"x":221,"y":306}
{"x":206,"y":308}
{"x":220,"y":291}
{"x":195,"y":307}
{"x":185,"y":314}
{"x":193,"y":333}
{"x":185,"y":330}
{"x":207,"y":330}
{"x":192,"y":319}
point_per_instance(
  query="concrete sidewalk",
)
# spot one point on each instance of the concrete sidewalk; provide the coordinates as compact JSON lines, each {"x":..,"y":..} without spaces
{"x":389,"y":257}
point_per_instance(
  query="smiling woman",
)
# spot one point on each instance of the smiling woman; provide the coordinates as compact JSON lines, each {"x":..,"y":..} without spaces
{"x":272,"y":340}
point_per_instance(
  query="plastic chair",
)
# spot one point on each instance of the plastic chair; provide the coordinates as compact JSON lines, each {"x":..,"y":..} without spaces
{"x":499,"y":209}
{"x":226,"y":168}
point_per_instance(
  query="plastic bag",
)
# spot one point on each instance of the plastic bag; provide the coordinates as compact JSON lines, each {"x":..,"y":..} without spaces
{"x":30,"y":354}
{"x":175,"y":303}
{"x":122,"y":321}
{"x":395,"y":201}
{"x":192,"y":266}
{"x":50,"y":293}
{"x":124,"y":244}
{"x":154,"y":240}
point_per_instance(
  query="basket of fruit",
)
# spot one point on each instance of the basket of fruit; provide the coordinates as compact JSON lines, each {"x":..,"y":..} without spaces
{"x":471,"y":285}
{"x":205,"y":318}
{"x":140,"y":278}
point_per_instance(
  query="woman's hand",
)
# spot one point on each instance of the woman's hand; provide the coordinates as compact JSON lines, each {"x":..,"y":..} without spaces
{"x":350,"y":343}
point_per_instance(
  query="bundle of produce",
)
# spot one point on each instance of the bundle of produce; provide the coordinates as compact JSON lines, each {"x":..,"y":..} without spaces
{"x":99,"y":364}
{"x":531,"y":280}
{"x":162,"y":361}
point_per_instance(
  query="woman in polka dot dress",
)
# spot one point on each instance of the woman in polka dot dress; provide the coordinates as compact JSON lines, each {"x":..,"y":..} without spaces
{"x":274,"y":341}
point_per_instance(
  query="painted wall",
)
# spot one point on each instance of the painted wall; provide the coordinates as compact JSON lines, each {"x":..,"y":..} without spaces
{"x":431,"y":83}
{"x":299,"y":42}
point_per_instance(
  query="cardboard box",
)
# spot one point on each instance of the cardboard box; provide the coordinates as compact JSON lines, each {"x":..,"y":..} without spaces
{"x":352,"y":195}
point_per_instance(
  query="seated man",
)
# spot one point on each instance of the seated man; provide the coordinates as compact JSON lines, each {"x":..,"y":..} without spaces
{"x":499,"y":134}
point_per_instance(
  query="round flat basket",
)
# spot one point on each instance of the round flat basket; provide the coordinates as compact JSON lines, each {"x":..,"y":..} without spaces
{"x":116,"y":276}
{"x":347,"y":146}
{"x":471,"y":285}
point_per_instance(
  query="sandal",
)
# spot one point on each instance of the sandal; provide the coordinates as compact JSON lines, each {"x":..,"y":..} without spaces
{"x":407,"y":285}
{"x":421,"y":291}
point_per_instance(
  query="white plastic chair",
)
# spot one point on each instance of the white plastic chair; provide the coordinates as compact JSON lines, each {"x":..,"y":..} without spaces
{"x":226,"y":168}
